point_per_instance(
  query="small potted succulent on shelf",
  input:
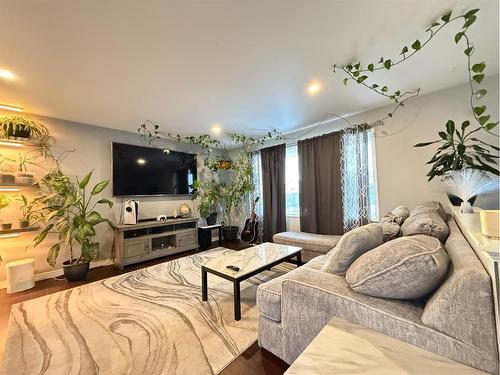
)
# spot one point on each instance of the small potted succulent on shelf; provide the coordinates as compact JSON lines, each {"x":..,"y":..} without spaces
{"x":4,"y":202}
{"x":23,"y":177}
{"x":7,"y":177}
{"x":20,"y":127}
{"x":28,"y":214}
{"x":69,"y":210}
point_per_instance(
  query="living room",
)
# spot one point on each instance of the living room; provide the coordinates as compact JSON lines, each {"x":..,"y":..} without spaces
{"x":249,"y":187}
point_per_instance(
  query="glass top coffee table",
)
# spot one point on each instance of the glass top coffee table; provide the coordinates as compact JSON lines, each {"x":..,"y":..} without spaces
{"x":249,"y":262}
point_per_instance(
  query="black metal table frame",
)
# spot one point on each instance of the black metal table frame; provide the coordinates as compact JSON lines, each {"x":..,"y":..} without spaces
{"x":236,"y":281}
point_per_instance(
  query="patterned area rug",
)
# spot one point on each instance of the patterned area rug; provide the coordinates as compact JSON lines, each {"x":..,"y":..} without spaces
{"x":149,"y":321}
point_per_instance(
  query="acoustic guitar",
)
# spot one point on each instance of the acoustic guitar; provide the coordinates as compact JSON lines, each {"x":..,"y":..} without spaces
{"x":250,"y":231}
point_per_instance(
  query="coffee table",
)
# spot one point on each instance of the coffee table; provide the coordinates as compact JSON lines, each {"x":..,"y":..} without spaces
{"x":250,"y":261}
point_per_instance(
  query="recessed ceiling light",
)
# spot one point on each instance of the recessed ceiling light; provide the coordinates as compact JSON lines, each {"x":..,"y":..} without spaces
{"x":11,"y":107}
{"x":216,"y":129}
{"x":6,"y":74}
{"x":313,"y":88}
{"x":141,"y":161}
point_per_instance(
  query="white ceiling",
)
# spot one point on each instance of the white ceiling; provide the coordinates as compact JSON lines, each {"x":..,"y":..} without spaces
{"x":244,"y":64}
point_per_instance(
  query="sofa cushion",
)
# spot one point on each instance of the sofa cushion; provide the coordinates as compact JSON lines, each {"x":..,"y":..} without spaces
{"x":320,"y":243}
{"x":405,"y":268}
{"x":428,"y":223}
{"x":317,"y":262}
{"x":462,"y":306}
{"x":430,"y":207}
{"x":353,"y":244}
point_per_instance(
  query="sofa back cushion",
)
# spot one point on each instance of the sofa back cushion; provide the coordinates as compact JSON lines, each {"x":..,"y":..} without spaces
{"x":429,"y":207}
{"x":462,"y":307}
{"x":429,"y":223}
{"x":405,"y":268}
{"x":400,"y":214}
{"x":351,"y":245}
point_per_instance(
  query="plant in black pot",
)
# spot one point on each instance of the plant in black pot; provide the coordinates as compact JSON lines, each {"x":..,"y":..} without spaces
{"x":22,"y":127}
{"x":208,"y":192}
{"x":70,"y":210}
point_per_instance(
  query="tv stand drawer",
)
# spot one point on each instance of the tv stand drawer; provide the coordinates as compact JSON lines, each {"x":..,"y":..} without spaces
{"x":135,"y":248}
{"x":186,"y":239}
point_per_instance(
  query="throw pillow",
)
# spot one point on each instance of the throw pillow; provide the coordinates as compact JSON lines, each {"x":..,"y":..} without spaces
{"x":405,"y":268}
{"x":429,"y":207}
{"x":391,"y":230}
{"x":351,"y":245}
{"x":400,"y":213}
{"x":430,"y":224}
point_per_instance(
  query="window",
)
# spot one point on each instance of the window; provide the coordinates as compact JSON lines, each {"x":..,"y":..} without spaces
{"x":292,"y":181}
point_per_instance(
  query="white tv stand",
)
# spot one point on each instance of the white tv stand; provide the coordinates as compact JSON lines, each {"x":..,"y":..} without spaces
{"x":151,"y":239}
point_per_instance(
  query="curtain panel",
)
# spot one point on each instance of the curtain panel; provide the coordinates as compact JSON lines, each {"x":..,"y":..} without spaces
{"x":257,"y":193}
{"x":355,"y":177}
{"x":320,"y":184}
{"x":273,"y":190}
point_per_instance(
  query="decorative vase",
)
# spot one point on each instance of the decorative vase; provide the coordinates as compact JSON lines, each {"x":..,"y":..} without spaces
{"x":75,"y":272}
{"x":456,"y":201}
{"x":230,"y":233}
{"x":212,"y":218}
{"x":466,"y":208}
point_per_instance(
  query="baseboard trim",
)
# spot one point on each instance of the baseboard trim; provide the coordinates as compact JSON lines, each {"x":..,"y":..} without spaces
{"x":59,"y":272}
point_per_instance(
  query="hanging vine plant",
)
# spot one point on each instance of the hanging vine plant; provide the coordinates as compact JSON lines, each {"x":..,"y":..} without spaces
{"x":458,"y":148}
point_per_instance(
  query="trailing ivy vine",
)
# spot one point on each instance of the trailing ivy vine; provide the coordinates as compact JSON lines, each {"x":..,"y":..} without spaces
{"x":458,"y":149}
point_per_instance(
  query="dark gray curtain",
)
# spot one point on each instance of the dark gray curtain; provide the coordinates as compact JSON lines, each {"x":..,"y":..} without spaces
{"x":320,"y":184}
{"x":273,"y":189}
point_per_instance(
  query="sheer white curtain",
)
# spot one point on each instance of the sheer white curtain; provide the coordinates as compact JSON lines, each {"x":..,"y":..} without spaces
{"x":355,"y":177}
{"x":257,"y":182}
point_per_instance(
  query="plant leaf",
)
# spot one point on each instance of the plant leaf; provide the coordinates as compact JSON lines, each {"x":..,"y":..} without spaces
{"x":478,"y":77}
{"x":107,"y":201}
{"x":423,"y":144}
{"x":469,"y":51}
{"x":470,"y":21}
{"x":83,"y":183}
{"x":483,"y":119}
{"x":42,"y":235}
{"x":370,"y":67}
{"x":458,"y":36}
{"x":450,"y":127}
{"x":446,"y":17}
{"x":404,"y":50}
{"x":416,"y":45}
{"x":93,"y":218}
{"x":471,"y":13}
{"x":478,"y":68}
{"x":491,"y":125}
{"x":479,"y":110}
{"x":387,"y":64}
{"x":465,"y":124}
{"x":345,"y":81}
{"x":99,"y":187}
{"x":480,"y":93}
{"x":52,"y":254}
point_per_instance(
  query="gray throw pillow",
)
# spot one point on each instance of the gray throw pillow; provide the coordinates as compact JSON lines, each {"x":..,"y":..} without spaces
{"x":391,"y":230}
{"x":430,"y":224}
{"x":351,"y":245}
{"x":429,"y":207}
{"x":400,"y":213}
{"x":405,"y":268}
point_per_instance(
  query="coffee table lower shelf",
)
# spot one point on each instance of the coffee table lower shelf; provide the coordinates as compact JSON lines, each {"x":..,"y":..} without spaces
{"x":236,"y":281}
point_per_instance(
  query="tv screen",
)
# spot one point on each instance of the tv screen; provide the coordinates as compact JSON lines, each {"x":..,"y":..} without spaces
{"x":151,"y":171}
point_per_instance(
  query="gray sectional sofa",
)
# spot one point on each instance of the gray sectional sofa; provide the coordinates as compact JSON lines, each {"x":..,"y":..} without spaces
{"x":312,"y":244}
{"x":455,"y":321}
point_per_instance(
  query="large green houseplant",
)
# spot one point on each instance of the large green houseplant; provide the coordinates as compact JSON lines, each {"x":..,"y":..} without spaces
{"x":70,"y":210}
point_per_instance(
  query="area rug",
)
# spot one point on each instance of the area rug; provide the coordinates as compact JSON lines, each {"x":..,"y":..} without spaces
{"x":149,"y":321}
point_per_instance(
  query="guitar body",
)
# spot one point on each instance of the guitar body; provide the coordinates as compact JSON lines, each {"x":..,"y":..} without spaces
{"x":250,"y":231}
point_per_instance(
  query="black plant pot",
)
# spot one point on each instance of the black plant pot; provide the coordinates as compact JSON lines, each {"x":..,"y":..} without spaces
{"x":19,"y":132}
{"x":212,"y":219}
{"x":230,"y":233}
{"x":75,"y":272}
{"x":456,"y":201}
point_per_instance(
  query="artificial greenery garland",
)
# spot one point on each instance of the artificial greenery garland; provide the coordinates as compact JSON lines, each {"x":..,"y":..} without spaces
{"x":458,"y":149}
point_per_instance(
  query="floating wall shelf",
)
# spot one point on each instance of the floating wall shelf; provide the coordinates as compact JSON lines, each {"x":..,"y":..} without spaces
{"x":7,"y":232}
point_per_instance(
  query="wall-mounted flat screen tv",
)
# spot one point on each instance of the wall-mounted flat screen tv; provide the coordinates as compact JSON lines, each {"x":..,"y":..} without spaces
{"x":151,"y":171}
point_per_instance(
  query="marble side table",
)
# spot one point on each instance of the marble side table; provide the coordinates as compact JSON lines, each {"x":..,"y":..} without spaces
{"x":343,"y":347}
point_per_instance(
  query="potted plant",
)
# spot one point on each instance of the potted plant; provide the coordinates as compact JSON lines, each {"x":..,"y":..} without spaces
{"x":23,"y":177}
{"x":22,"y":127}
{"x":208,"y":192}
{"x":28,"y":212}
{"x":69,"y":209}
{"x":4,"y":202}
{"x":7,"y":177}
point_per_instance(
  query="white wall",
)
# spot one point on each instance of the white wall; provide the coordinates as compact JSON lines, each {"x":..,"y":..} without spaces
{"x":92,"y":150}
{"x":401,"y":168}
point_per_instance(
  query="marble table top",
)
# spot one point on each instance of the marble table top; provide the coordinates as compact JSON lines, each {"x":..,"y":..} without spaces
{"x":343,"y":347}
{"x":251,"y":259}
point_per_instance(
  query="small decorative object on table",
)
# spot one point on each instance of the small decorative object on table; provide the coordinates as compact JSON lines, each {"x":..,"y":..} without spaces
{"x":185,"y":210}
{"x":490,"y":223}
{"x":467,"y":183}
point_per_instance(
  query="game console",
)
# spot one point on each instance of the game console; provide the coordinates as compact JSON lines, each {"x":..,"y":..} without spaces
{"x":161,"y":218}
{"x":130,"y":212}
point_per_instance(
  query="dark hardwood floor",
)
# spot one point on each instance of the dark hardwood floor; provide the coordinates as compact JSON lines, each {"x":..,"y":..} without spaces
{"x":253,"y":361}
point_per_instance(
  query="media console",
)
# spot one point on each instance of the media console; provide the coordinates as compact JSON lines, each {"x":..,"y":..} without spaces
{"x":151,"y":239}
